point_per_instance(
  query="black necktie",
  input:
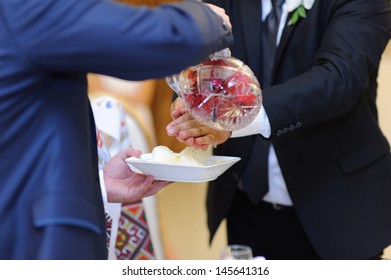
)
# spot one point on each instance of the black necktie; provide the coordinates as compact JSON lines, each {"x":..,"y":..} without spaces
{"x":255,"y":181}
{"x":269,"y":38}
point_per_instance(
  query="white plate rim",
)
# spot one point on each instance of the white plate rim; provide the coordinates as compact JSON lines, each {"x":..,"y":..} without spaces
{"x":145,"y":158}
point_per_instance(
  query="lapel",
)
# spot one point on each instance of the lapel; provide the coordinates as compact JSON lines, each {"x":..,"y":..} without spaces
{"x":250,"y":19}
{"x":249,"y":15}
{"x":250,"y":12}
{"x":286,"y":34}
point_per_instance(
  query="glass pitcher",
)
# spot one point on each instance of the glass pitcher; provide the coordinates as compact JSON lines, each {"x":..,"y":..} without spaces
{"x":221,"y":92}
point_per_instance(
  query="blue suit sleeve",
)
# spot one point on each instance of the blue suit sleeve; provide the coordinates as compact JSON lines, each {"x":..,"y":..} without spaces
{"x":114,"y":39}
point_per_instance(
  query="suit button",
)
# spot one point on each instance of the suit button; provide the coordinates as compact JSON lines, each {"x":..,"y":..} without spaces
{"x":299,"y":124}
{"x":292,"y":127}
{"x":285,"y":130}
{"x":279,"y":132}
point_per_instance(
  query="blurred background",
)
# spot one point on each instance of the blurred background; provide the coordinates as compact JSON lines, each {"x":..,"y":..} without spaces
{"x":179,"y":210}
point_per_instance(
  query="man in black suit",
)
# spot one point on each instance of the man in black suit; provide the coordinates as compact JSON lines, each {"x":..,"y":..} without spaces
{"x":329,"y":189}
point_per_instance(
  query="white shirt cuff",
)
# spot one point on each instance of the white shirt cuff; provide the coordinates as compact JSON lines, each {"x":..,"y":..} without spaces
{"x":260,"y":125}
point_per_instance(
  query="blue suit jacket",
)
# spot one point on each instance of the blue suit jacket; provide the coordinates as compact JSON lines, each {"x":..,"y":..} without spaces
{"x":50,"y":200}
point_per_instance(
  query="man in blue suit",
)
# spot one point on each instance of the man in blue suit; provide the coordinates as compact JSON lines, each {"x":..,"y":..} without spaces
{"x":50,"y":199}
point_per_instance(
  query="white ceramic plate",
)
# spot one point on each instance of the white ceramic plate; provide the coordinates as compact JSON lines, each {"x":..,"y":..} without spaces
{"x":213,"y":168}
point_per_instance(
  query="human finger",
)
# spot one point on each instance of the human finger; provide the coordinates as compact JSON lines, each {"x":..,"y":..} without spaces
{"x":129,"y":152}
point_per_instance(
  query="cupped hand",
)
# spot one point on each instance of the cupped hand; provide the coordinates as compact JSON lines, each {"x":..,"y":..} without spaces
{"x":192,"y":132}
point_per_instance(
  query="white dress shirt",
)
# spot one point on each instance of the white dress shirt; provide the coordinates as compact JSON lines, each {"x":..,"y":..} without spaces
{"x":278,"y":192}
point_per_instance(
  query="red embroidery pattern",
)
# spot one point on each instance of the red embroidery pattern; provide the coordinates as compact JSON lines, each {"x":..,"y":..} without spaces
{"x":133,"y":239}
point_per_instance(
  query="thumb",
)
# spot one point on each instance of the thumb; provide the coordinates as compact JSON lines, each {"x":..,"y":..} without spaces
{"x":128,"y":152}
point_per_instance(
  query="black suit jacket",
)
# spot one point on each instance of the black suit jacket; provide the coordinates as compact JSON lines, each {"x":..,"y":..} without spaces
{"x":322,"y":108}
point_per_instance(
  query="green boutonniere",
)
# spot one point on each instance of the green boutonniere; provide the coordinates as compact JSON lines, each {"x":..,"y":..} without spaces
{"x":299,"y":9}
{"x":300,"y":12}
